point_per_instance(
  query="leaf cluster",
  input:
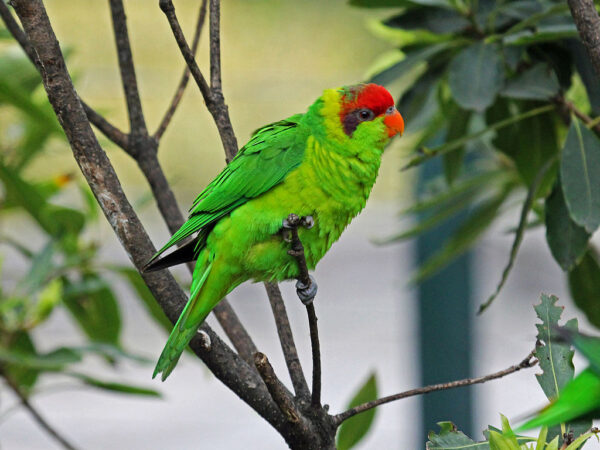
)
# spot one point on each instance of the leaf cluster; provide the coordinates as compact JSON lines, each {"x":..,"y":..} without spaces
{"x":502,"y":93}
{"x":65,"y":272}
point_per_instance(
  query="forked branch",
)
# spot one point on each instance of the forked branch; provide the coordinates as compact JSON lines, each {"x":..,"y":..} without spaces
{"x":213,"y":95}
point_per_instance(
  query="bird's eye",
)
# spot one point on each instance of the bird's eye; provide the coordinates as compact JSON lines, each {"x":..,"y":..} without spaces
{"x":390,"y":110}
{"x":365,"y":114}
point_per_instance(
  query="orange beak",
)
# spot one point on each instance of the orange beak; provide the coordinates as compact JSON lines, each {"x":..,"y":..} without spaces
{"x":395,"y":124}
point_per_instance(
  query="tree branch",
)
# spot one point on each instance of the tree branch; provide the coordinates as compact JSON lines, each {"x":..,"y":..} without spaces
{"x":566,"y":108}
{"x":215,"y":45}
{"x":109,"y":130}
{"x":588,"y":25}
{"x":36,"y":415}
{"x":213,"y":98}
{"x":297,"y":251}
{"x":137,"y":124}
{"x":95,"y":166}
{"x":185,"y":78}
{"x":286,"y":338}
{"x":277,"y":390}
{"x":525,"y":364}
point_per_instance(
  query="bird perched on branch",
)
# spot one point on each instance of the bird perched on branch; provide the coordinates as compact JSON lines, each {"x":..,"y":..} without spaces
{"x":321,"y":165}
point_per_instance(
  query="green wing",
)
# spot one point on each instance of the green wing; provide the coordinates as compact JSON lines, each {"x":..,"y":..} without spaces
{"x":272,"y":152}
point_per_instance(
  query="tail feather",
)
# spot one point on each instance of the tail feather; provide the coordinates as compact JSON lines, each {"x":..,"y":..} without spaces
{"x":184,"y":330}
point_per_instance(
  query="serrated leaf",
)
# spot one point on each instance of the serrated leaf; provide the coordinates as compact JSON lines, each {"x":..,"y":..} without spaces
{"x":476,"y":75}
{"x":567,"y":240}
{"x":589,"y":346}
{"x":555,"y":357}
{"x":353,"y":430}
{"x":94,"y":307}
{"x":578,"y":398}
{"x":579,"y":175}
{"x":537,"y":83}
{"x":450,"y":438}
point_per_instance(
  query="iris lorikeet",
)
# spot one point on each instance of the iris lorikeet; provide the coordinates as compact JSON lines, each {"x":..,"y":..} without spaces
{"x":322,"y":164}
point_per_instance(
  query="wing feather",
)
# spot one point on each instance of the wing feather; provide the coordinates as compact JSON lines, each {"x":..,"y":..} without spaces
{"x":272,"y":152}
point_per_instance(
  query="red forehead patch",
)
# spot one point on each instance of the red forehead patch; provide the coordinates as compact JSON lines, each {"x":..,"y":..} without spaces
{"x":370,"y":96}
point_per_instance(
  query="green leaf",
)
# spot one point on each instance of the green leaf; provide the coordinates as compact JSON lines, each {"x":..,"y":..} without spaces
{"x":464,"y":237}
{"x":579,"y":174}
{"x":529,"y":142}
{"x":458,"y":124}
{"x":54,"y":361}
{"x":94,"y":307}
{"x":584,"y":286}
{"x":144,"y":294}
{"x":49,"y":298}
{"x":40,"y":270}
{"x":450,"y":438}
{"x":113,"y":386}
{"x":428,"y":153}
{"x":537,"y":83}
{"x":22,"y":374}
{"x":476,"y":76}
{"x":398,"y":3}
{"x":567,"y":240}
{"x":411,"y":60}
{"x":354,"y":429}
{"x":555,"y":357}
{"x":578,"y":398}
{"x":527,"y":205}
{"x":403,"y":36}
{"x":542,"y":34}
{"x":589,"y":346}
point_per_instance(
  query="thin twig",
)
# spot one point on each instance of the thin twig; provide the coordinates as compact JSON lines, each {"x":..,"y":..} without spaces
{"x":215,"y":102}
{"x":166,"y":120}
{"x":137,"y":123}
{"x":108,"y":129}
{"x":297,"y":251}
{"x":526,"y":363}
{"x":570,"y":107}
{"x":286,"y":338}
{"x":588,"y":25}
{"x":276,"y":388}
{"x":36,"y":415}
{"x":215,"y":45}
{"x":167,"y":7}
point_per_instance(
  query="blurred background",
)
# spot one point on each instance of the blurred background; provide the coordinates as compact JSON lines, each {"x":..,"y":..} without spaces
{"x":277,"y":58}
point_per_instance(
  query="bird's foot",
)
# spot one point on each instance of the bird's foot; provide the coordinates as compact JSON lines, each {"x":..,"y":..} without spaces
{"x":294,"y":221}
{"x":307,"y":293}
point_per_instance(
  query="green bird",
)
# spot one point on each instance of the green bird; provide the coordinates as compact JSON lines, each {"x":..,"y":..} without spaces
{"x":321,"y":165}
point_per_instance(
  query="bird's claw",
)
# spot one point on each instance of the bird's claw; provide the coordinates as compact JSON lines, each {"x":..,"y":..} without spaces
{"x":294,"y":221}
{"x":307,"y":293}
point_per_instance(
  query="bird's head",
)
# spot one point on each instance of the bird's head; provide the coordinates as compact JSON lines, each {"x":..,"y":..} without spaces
{"x":360,"y":112}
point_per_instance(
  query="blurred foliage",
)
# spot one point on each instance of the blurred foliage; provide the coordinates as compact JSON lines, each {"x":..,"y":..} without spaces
{"x":64,"y":273}
{"x":491,"y":88}
{"x":353,"y":430}
{"x":572,"y":398}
